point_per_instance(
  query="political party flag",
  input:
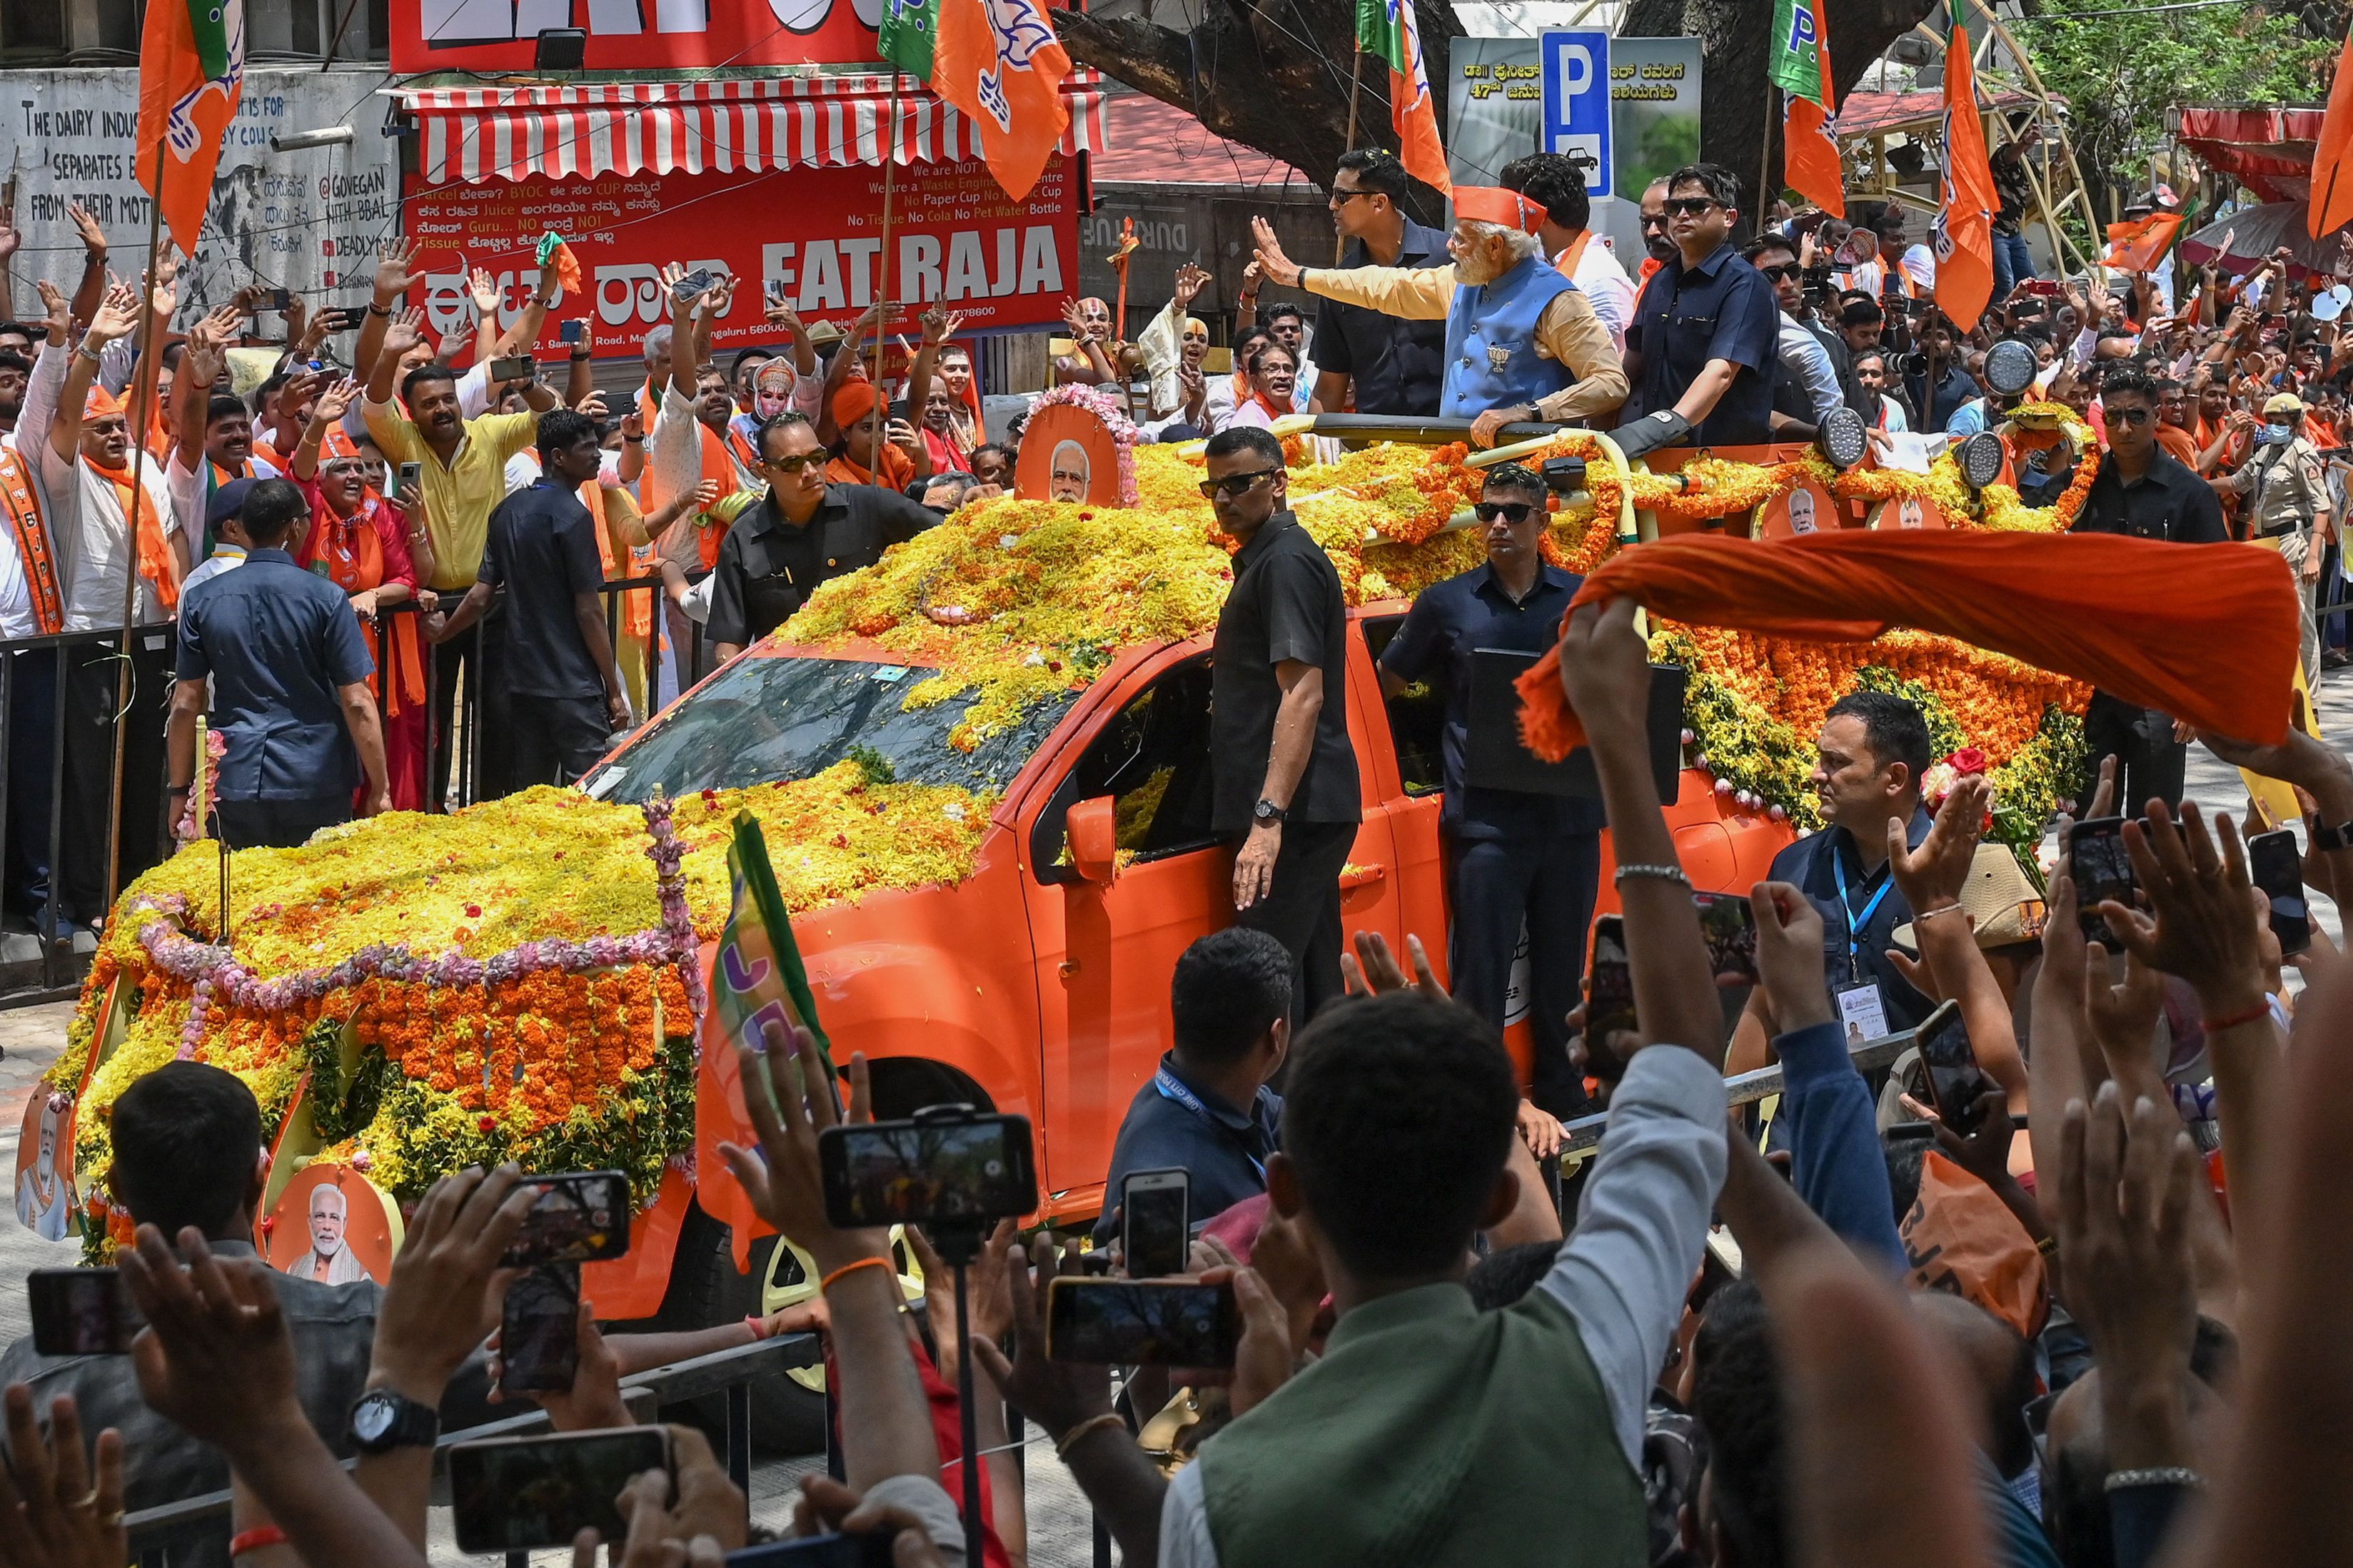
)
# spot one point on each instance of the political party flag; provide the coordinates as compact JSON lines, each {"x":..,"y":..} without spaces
{"x":2331,"y":208}
{"x":2137,"y":245}
{"x":758,"y":978}
{"x":1388,"y":28}
{"x":909,"y":29}
{"x":1809,"y":154}
{"x":1963,"y":233}
{"x":191,"y":69}
{"x":998,"y":63}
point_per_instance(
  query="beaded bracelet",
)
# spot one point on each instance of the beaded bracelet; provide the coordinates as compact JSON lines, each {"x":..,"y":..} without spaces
{"x":1071,"y":1439}
{"x":1662,"y":873}
{"x":2158,"y":1476}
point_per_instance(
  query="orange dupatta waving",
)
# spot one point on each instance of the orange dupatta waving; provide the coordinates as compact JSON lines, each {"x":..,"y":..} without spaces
{"x":2097,"y":608}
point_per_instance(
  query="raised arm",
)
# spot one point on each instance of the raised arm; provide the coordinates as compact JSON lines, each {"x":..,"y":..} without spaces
{"x":523,"y":336}
{"x":1415,"y":294}
{"x":113,"y":320}
{"x":393,"y":280}
{"x":90,"y":292}
{"x":324,"y":414}
{"x":939,"y":325}
{"x":396,"y":340}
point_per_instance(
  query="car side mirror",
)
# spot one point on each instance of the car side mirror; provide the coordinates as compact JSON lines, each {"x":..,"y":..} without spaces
{"x":1094,"y":829}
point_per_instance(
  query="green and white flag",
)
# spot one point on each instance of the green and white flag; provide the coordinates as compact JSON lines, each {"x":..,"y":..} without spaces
{"x":1795,"y":58}
{"x":909,"y":30}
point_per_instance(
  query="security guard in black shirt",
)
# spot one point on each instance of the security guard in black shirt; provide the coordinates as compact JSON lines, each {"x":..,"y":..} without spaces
{"x":801,"y":531}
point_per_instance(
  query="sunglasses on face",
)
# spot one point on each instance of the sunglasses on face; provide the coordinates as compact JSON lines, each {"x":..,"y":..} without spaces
{"x":794,"y":464}
{"x":1233,"y":487}
{"x":1690,"y":207}
{"x":1783,"y":269}
{"x":1515,"y":512}
{"x":2132,"y":416}
{"x":1340,"y":198}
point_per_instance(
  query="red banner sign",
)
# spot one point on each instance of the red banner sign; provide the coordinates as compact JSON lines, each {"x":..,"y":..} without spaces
{"x":494,"y":36}
{"x":815,"y":233}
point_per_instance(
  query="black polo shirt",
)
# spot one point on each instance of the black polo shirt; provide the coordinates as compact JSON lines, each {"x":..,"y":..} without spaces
{"x":1173,"y":1124}
{"x":543,"y":551}
{"x":1449,"y":621}
{"x":2168,"y":502}
{"x":1814,"y":864}
{"x":1720,"y":309}
{"x":1399,"y":365}
{"x":1285,"y":603}
{"x":768,"y":565}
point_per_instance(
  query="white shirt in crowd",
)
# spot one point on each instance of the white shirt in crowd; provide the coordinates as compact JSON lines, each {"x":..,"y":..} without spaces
{"x":1810,"y":362}
{"x":31,"y":437}
{"x":1601,"y":277}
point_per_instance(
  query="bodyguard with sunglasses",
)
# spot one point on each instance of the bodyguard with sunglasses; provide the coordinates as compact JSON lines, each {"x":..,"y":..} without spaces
{"x":1510,"y":856}
{"x":1700,"y":354}
{"x":1283,"y":773}
{"x":797,"y":531}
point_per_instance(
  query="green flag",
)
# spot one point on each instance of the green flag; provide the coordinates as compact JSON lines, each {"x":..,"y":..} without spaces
{"x":909,"y":30}
{"x":1374,"y":35}
{"x":1795,"y":60}
{"x":759,"y":975}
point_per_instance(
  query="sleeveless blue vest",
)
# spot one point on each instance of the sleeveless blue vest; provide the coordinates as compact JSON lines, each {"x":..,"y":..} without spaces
{"x":1491,"y":342}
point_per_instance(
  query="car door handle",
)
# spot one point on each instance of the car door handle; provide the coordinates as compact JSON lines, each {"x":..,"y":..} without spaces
{"x":1361,"y":876}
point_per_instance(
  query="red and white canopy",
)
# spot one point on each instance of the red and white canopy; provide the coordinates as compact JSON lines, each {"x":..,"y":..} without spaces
{"x":748,"y":124}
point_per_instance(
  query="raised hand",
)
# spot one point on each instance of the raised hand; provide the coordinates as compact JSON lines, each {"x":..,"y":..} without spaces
{"x":1077,"y":323}
{"x":1605,"y":668}
{"x":86,"y":229}
{"x":902,"y":434}
{"x":483,"y":289}
{"x":1190,"y":280}
{"x":779,"y":311}
{"x":62,"y":1516}
{"x":12,"y":238}
{"x":940,"y":324}
{"x":782,"y":1177}
{"x":718,"y":299}
{"x":446,"y":1284}
{"x":404,"y":333}
{"x":1372,"y":970}
{"x":163,"y":287}
{"x":1269,"y":256}
{"x":116,"y":317}
{"x":2200,"y":924}
{"x":395,"y":272}
{"x":215,"y":1359}
{"x":1932,"y":876}
{"x":1057,"y":1394}
{"x":60,"y":308}
{"x":594,"y":407}
{"x":1789,"y":955}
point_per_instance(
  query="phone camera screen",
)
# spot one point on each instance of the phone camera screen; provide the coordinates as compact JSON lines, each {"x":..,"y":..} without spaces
{"x":539,"y":1346}
{"x":576,"y":1218}
{"x":1115,"y":1322}
{"x":1729,"y":927}
{"x":81,"y":1312}
{"x":512,"y":1496}
{"x":2103,"y":868}
{"x":1155,"y":1224}
{"x":1954,"y":1081}
{"x":934,"y":1172}
{"x":2275,"y":865}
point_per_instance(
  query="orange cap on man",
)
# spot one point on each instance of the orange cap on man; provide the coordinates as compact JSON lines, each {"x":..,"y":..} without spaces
{"x":1492,"y":204}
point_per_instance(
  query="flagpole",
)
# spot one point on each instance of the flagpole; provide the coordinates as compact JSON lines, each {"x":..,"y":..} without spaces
{"x":1356,"y":78}
{"x":1764,"y":157}
{"x":882,"y":317}
{"x":143,"y":403}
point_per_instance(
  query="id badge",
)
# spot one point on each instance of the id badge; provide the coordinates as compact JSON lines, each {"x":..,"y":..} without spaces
{"x":1859,"y":1009}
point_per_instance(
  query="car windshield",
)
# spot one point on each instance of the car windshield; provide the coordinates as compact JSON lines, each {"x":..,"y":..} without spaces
{"x":766,"y":720}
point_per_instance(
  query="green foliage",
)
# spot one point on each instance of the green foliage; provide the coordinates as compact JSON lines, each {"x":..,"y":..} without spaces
{"x":336,"y":1111}
{"x":877,"y":768}
{"x":2119,"y":72}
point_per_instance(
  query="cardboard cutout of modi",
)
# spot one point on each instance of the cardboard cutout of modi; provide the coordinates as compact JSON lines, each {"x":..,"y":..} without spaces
{"x":45,"y":1190}
{"x":334,"y":1225}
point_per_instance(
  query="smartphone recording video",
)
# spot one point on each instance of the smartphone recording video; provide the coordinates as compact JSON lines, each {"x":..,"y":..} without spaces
{"x":539,"y":1331}
{"x":868,"y":1549}
{"x":1609,"y":982}
{"x":1729,"y":925}
{"x":2275,"y":866}
{"x":81,"y":1312}
{"x":1955,"y":1080}
{"x":1137,"y":1322}
{"x":928,"y":1171}
{"x":1155,"y":1222}
{"x":580,"y":1216}
{"x":2103,"y":868}
{"x":512,"y":367}
{"x":513,"y":1494}
{"x":571,"y":331}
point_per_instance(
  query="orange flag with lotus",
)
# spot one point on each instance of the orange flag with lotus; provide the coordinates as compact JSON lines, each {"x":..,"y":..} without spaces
{"x":191,"y":70}
{"x":998,"y":63}
{"x":1963,"y":236}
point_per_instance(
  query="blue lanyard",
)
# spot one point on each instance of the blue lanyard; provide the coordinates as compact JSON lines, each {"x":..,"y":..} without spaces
{"x":1171,"y":1089}
{"x":1855,"y":923}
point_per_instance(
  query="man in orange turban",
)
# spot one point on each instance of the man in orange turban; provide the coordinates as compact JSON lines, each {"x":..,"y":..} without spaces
{"x":903,"y":455}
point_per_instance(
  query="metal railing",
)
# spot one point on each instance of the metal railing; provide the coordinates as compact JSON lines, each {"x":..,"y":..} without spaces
{"x":156,"y":1531}
{"x":1583,"y":1135}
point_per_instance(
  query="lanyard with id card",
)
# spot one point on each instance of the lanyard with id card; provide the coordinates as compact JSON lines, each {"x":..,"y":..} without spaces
{"x":1861,"y":1011}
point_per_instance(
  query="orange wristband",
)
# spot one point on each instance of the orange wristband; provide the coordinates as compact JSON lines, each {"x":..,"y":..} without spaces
{"x":827,"y":1283}
{"x":254,"y":1540}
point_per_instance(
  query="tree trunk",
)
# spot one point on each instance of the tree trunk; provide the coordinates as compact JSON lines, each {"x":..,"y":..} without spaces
{"x":1273,"y":75}
{"x":1735,"y":35}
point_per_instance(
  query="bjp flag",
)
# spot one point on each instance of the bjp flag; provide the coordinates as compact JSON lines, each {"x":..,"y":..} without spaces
{"x":2137,"y":245}
{"x":2331,"y":208}
{"x":191,"y":69}
{"x":1389,"y":29}
{"x":1963,"y":234}
{"x":998,"y":63}
{"x":1801,"y":64}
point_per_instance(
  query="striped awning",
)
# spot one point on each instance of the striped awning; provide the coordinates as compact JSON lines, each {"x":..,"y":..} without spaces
{"x":745,"y":125}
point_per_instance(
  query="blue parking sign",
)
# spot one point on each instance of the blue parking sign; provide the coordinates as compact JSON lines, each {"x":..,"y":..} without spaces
{"x":1576,"y":101}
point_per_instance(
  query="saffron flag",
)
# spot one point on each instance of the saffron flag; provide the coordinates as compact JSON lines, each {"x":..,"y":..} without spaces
{"x":2139,"y":244}
{"x":2331,"y":207}
{"x":1963,"y":233}
{"x":1388,"y":28}
{"x":998,"y":63}
{"x":758,"y":978}
{"x":910,"y":30}
{"x":1809,"y":154}
{"x":191,"y":69}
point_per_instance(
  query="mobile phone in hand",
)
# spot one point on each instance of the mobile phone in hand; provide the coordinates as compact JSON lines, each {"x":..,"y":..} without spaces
{"x":513,"y":1494}
{"x":1950,"y":1067}
{"x":2101,"y":868}
{"x":928,"y":1170}
{"x":1729,"y":927}
{"x":579,"y":1217}
{"x":570,"y":332}
{"x":513,"y":367}
{"x":411,"y":476}
{"x":539,"y":1330}
{"x":1142,"y":1322}
{"x":868,"y":1549}
{"x":341,"y":319}
{"x":1610,"y":981}
{"x":1154,"y":1223}
{"x":2275,"y":866}
{"x":81,"y":1312}
{"x":276,"y":300}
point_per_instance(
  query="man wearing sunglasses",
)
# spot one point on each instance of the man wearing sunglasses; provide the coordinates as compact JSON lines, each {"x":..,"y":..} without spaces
{"x":1512,"y":858}
{"x":799,"y":530}
{"x":1283,"y":774}
{"x":1807,"y":388}
{"x":1702,"y":349}
{"x":1522,"y":342}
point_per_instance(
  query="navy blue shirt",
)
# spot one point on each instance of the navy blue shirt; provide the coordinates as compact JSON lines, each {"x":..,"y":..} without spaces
{"x":1222,"y":1149}
{"x":1448,"y":623}
{"x":543,"y":551}
{"x":277,"y":642}
{"x":1814,"y":863}
{"x":1399,"y":365}
{"x":1720,"y":309}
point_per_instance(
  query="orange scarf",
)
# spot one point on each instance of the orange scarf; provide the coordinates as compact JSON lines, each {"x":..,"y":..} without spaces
{"x":1572,"y":253}
{"x":1274,"y":410}
{"x":636,"y":606}
{"x":157,"y":562}
{"x":353,"y":554}
{"x":898,"y":471}
{"x":718,"y":469}
{"x":32,"y":541}
{"x":2097,"y":607}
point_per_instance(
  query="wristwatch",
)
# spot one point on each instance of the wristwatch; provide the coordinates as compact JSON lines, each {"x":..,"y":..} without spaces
{"x":1267,"y":813}
{"x":2327,"y":839}
{"x":383,"y":1420}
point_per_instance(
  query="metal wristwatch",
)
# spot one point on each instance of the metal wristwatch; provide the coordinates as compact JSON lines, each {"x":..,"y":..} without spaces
{"x":1267,"y":813}
{"x":383,"y":1420}
{"x":2330,"y":839}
